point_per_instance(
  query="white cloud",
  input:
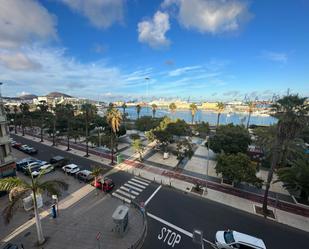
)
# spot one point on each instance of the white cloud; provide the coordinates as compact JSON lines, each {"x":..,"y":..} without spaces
{"x":17,"y":61}
{"x":21,"y":21}
{"x":275,"y":56}
{"x":182,"y":70}
{"x":101,"y":13}
{"x":153,"y":31}
{"x":211,"y":16}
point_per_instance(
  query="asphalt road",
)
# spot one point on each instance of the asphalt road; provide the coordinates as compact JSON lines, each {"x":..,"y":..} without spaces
{"x":174,"y":214}
{"x":190,"y":212}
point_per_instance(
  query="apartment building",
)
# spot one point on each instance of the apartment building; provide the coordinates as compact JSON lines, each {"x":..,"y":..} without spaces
{"x":7,"y":163}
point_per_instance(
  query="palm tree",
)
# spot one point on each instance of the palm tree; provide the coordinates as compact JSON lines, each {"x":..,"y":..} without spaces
{"x":220,"y":108}
{"x":124,"y":107}
{"x":43,"y":107}
{"x":251,"y":107}
{"x":24,"y":108}
{"x":292,"y":114}
{"x":138,"y":148}
{"x":19,"y":188}
{"x":193,"y":110}
{"x":89,"y":112}
{"x":295,"y":178}
{"x":138,"y":110}
{"x":69,"y":114}
{"x":154,"y":109}
{"x":172,"y":107}
{"x":15,"y":110}
{"x":114,"y":119}
{"x":96,"y":172}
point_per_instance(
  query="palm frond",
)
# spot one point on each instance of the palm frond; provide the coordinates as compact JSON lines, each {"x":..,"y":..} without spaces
{"x":16,"y":195}
{"x":6,"y":184}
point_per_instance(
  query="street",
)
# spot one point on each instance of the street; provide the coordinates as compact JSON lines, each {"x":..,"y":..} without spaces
{"x":173,"y":215}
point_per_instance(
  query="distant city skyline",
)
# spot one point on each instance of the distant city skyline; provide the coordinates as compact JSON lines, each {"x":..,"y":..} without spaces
{"x":121,"y":50}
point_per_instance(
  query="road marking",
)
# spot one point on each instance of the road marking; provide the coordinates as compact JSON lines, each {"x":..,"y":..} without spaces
{"x":141,"y":179}
{"x":132,"y":187}
{"x":140,"y":182}
{"x":171,"y":238}
{"x":128,"y":190}
{"x":125,"y":193}
{"x":179,"y":229}
{"x":121,"y":197}
{"x":153,"y":194}
{"x":136,"y":184}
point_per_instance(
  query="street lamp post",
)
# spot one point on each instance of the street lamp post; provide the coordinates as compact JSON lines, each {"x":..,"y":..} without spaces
{"x":207,"y":166}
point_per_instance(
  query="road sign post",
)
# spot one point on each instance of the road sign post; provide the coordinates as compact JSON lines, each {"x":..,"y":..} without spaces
{"x":98,"y":236}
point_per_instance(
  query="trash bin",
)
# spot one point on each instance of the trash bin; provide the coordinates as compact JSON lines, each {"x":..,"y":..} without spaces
{"x":119,"y":159}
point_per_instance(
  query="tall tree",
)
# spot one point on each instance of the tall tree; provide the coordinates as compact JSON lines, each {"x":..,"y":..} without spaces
{"x":138,"y":110}
{"x":292,"y":114}
{"x":114,"y":119}
{"x":220,"y":109}
{"x":15,"y":110}
{"x":42,"y":107}
{"x":69,"y":114}
{"x":24,"y":108}
{"x":138,"y":148}
{"x":89,"y":112}
{"x":296,"y":177}
{"x":172,"y":107}
{"x":124,"y":107}
{"x":251,"y":107}
{"x":154,"y":109}
{"x":19,"y":188}
{"x":193,"y":110}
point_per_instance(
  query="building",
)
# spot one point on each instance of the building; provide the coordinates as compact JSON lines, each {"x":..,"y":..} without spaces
{"x":7,"y":163}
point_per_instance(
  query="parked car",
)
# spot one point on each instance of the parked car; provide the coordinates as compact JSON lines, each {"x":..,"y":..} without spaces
{"x":31,"y":168}
{"x":231,"y":239}
{"x":71,"y":169}
{"x":104,"y":183}
{"x":24,"y":163}
{"x":85,"y":175}
{"x":58,"y":161}
{"x":17,"y":145}
{"x":29,"y":150}
{"x":43,"y":170}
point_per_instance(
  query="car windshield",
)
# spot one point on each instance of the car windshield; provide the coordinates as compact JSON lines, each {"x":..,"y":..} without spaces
{"x":228,"y":237}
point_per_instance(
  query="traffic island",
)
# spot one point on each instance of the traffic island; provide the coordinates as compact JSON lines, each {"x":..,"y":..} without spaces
{"x":89,"y":223}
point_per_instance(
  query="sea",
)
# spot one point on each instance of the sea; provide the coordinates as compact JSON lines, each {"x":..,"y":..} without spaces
{"x":206,"y":116}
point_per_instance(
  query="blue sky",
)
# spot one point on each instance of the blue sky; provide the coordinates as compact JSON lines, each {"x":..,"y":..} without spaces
{"x":202,"y":49}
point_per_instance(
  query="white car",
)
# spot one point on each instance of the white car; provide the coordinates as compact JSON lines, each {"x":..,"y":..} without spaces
{"x":46,"y":168}
{"x":231,"y":239}
{"x":71,"y":169}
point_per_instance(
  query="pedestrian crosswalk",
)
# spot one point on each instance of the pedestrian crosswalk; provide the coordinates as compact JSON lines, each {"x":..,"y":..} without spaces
{"x":131,"y":189}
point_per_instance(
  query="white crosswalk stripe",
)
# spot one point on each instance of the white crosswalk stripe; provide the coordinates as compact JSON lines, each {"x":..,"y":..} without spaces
{"x":141,"y":179}
{"x":119,"y":191}
{"x":137,"y":185}
{"x":140,"y":182}
{"x":121,"y":197}
{"x":131,"y":189}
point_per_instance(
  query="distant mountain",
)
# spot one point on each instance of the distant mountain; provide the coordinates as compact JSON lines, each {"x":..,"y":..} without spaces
{"x":27,"y":97}
{"x":58,"y":95}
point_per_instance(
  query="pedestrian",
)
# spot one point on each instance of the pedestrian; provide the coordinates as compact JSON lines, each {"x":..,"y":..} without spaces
{"x":22,"y":246}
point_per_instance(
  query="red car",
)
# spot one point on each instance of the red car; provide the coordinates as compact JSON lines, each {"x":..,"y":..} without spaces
{"x":105,"y":184}
{"x":17,"y":145}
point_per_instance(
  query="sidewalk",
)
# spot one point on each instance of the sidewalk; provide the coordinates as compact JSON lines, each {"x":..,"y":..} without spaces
{"x":286,"y":213}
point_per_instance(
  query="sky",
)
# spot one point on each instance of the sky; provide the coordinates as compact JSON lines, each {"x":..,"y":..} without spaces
{"x":139,"y":49}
